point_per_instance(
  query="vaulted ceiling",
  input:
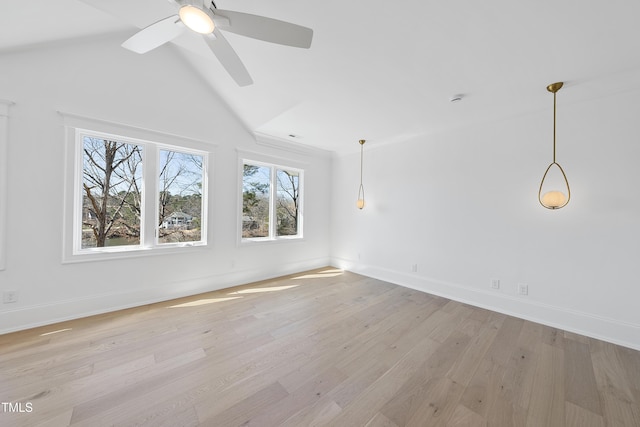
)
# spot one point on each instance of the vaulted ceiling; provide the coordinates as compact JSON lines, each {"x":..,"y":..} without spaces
{"x":381,"y":71}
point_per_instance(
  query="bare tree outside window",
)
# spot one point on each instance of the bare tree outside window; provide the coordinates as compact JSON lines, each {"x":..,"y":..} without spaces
{"x":288,"y":196}
{"x":111,"y":202}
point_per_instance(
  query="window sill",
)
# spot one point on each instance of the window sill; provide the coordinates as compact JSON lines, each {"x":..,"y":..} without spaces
{"x":267,"y":240}
{"x":106,"y":254}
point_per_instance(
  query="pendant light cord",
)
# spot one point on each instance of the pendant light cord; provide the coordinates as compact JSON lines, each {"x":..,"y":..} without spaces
{"x":554,"y":127}
{"x":361,"y":188}
{"x":361,"y":157}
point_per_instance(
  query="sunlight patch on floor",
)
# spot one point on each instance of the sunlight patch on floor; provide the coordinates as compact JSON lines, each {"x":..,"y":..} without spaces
{"x":204,"y":301}
{"x":320,"y":274}
{"x":259,"y":290}
{"x":55,"y":332}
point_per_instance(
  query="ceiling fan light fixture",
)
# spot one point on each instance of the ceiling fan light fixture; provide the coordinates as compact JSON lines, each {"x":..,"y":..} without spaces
{"x":203,"y":17}
{"x":196,"y":19}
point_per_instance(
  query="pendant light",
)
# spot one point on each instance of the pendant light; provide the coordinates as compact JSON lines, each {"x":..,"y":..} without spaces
{"x":554,"y":198}
{"x":360,"y":202}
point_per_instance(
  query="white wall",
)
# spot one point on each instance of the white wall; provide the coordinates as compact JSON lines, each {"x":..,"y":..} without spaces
{"x":98,"y":79}
{"x":463,"y":206}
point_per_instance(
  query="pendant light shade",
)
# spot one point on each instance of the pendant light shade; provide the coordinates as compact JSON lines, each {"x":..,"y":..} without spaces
{"x":554,"y":192}
{"x":360,"y":202}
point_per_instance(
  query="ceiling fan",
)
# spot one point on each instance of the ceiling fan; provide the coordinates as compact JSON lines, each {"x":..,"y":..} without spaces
{"x":203,"y":17}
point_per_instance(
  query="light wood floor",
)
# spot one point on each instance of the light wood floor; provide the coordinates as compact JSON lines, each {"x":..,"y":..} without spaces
{"x":318,"y":348}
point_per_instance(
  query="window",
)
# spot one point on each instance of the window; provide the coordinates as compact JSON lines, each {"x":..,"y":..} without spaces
{"x":271,"y":201}
{"x":180,"y":197}
{"x":131,"y":195}
{"x":111,"y":192}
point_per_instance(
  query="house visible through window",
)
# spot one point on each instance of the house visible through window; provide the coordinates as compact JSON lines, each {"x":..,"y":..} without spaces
{"x":116,"y":212}
{"x":180,"y":197}
{"x":271,"y":201}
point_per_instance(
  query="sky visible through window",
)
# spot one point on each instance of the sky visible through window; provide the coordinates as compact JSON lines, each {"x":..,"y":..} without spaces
{"x":180,"y":173}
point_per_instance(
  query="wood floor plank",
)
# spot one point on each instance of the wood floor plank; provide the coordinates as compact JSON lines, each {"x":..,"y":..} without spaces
{"x":318,"y":414}
{"x":615,"y":386}
{"x":61,"y":419}
{"x":148,"y":378}
{"x":380,"y":420}
{"x":580,"y":382}
{"x":485,"y":392}
{"x":576,"y":337}
{"x":319,"y":348}
{"x":242,"y":412}
{"x":426,"y":386}
{"x":577,"y":416}
{"x":631,"y":363}
{"x":404,"y":330}
{"x":465,"y":365}
{"x":359,"y":379}
{"x":463,"y":417}
{"x":504,"y":388}
{"x":306,"y":395}
{"x":504,"y":413}
{"x":502,"y":346}
{"x":477,"y":394}
{"x":547,"y":404}
{"x":185,"y":418}
{"x":440,"y":404}
{"x":381,"y":391}
{"x":519,"y":374}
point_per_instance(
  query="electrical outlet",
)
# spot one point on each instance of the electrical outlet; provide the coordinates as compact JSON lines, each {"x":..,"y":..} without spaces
{"x":523,"y":289}
{"x":414,"y":268}
{"x":9,"y":297}
{"x":495,"y":283}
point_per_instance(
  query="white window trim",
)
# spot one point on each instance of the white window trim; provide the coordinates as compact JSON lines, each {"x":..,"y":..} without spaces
{"x":275,"y":164}
{"x":77,"y":126}
{"x":4,"y":143}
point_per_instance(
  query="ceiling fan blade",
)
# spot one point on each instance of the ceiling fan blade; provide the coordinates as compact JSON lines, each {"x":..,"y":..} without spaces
{"x":155,"y":35}
{"x":229,"y":59}
{"x":267,"y":29}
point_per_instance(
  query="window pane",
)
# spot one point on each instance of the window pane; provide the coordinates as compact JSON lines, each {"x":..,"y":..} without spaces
{"x":111,"y":193}
{"x":287,"y":203}
{"x":255,"y":201}
{"x":180,"y":195}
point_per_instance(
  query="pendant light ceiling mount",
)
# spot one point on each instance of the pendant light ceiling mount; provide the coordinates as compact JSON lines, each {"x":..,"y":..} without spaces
{"x":554,"y":87}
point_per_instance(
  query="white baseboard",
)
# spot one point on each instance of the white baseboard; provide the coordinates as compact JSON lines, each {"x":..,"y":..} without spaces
{"x":27,"y":317}
{"x":606,"y":329}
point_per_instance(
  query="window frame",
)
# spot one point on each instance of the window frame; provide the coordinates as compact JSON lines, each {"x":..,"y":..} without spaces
{"x":76,"y":127}
{"x":203,"y":203}
{"x":274,"y":167}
